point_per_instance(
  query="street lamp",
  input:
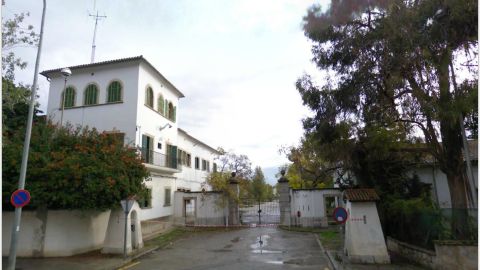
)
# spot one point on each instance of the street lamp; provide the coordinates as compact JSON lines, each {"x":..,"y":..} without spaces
{"x":65,"y":73}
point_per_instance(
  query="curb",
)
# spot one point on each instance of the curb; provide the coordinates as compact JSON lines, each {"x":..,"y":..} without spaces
{"x":134,"y":257}
{"x":331,"y":263}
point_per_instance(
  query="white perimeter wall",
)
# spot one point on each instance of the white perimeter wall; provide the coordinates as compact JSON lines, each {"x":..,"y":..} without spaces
{"x":210,"y":208}
{"x":56,"y":232}
{"x":310,"y":203}
{"x":104,"y":117}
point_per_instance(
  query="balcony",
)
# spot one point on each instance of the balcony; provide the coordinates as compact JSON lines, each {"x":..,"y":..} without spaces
{"x":159,"y":162}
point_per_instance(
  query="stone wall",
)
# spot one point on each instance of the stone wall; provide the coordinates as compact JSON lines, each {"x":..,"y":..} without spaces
{"x":447,"y":254}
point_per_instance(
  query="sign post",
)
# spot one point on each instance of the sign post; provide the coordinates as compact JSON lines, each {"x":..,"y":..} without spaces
{"x":12,"y":256}
{"x":126,"y":206}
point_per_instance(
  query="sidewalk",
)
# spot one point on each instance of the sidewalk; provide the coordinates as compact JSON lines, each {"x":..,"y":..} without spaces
{"x":94,"y":260}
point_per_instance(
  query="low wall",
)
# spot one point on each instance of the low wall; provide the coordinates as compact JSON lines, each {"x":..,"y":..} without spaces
{"x":456,"y":255}
{"x":55,"y":233}
{"x":310,"y":205}
{"x":206,"y":208}
{"x":447,"y":254}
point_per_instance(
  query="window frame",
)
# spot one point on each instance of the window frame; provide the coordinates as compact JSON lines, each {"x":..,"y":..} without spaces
{"x":165,"y":204}
{"x":161,"y":109}
{"x":120,"y":94}
{"x":197,"y":163}
{"x":152,"y":97}
{"x":148,"y":202}
{"x":62,"y":105}
{"x":96,"y":94}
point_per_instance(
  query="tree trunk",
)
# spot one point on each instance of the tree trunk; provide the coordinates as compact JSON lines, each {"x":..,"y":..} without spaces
{"x":452,"y":163}
{"x":460,"y":225}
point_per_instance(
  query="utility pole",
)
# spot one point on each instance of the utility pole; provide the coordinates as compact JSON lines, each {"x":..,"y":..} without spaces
{"x":12,"y":257}
{"x":97,"y":17}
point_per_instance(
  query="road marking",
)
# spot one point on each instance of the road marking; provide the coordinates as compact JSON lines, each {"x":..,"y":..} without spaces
{"x":128,"y":266}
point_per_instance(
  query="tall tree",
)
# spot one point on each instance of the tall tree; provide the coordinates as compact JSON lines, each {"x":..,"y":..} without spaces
{"x":394,"y":64}
{"x":258,"y":185}
{"x":15,"y":34}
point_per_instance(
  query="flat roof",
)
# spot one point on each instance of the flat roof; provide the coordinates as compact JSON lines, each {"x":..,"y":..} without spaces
{"x":139,"y":58}
{"x":199,"y":142}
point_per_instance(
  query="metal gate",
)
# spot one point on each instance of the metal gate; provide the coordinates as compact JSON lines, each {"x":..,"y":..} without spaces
{"x":253,"y":212}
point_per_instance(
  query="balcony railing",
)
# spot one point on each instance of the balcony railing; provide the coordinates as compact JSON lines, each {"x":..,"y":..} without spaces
{"x":159,"y":159}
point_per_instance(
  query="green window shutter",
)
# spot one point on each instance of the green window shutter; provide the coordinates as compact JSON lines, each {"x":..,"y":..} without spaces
{"x":166,"y":109}
{"x":91,"y":95}
{"x":69,"y":97}
{"x":149,"y":97}
{"x":174,"y":114}
{"x":174,"y":157}
{"x":161,"y":105}
{"x":114,"y":92}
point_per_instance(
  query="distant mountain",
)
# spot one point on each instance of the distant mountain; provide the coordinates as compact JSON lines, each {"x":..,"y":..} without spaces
{"x":269,"y":173}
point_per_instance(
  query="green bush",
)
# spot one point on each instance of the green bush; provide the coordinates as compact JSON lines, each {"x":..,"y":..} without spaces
{"x":71,"y":168}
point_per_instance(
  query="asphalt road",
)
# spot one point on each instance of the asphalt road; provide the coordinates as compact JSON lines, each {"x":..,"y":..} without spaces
{"x":253,"y":248}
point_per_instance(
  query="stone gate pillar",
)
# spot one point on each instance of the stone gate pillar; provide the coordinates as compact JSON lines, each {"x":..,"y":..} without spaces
{"x":233,"y":211}
{"x":284,"y":199}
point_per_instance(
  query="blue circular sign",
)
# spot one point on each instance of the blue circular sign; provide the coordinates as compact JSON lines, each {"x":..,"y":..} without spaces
{"x":340,"y":215}
{"x":20,"y":198}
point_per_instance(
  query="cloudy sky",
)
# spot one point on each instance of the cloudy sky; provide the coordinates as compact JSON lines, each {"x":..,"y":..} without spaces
{"x":235,"y":61}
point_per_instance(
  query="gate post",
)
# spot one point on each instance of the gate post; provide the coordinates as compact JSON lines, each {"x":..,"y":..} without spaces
{"x":284,"y":199}
{"x":233,"y":211}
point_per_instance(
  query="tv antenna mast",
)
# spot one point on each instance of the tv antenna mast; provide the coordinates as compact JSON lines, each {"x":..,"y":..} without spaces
{"x":97,"y":17}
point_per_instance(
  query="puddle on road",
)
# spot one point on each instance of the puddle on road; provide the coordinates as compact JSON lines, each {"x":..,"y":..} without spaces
{"x":261,"y":243}
{"x":274,"y":262}
{"x":263,"y":251}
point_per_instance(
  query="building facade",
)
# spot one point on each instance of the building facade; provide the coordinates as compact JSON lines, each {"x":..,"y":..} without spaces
{"x":130,"y":98}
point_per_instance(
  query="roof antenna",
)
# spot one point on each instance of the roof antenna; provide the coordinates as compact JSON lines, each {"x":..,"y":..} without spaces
{"x":97,"y":17}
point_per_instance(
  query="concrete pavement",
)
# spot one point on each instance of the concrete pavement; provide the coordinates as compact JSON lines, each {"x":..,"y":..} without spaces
{"x":254,"y":248}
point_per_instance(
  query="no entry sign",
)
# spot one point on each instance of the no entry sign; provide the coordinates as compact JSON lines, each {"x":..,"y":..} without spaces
{"x":20,"y":198}
{"x":340,"y":215}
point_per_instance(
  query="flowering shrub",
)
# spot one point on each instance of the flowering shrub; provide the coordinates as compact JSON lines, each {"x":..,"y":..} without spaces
{"x":72,"y":168}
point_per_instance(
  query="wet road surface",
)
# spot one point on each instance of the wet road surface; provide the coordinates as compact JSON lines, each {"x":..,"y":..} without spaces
{"x":253,"y":248}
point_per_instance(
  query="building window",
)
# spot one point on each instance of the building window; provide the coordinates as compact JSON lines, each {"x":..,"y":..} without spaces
{"x":208,"y":166}
{"x":204,"y":165}
{"x":214,"y":167}
{"x":197,"y":163}
{"x":69,"y":97}
{"x":184,"y":158}
{"x":168,"y":196}
{"x":145,"y":201}
{"x":161,"y":104}
{"x":149,"y":97}
{"x":171,"y":112}
{"x":91,"y":95}
{"x":114,"y":92}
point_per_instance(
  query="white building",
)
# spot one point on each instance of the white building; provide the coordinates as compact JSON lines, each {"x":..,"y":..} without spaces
{"x":131,"y":98}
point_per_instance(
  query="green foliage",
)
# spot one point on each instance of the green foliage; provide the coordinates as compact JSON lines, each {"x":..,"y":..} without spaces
{"x":15,"y":34}
{"x":259,"y":189}
{"x":72,"y":168}
{"x":15,"y":105}
{"x":392,"y":66}
{"x":415,"y":221}
{"x":298,"y":180}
